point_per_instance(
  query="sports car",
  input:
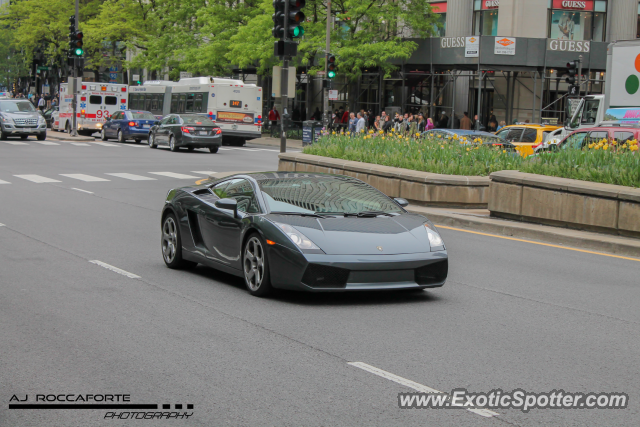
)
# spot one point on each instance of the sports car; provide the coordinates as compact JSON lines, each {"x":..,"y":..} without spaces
{"x":302,"y":231}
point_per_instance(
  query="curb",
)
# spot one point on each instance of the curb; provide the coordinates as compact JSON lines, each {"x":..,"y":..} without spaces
{"x":62,"y":136}
{"x":555,"y":235}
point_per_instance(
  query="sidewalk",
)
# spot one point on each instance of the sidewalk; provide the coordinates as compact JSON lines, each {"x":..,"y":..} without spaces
{"x":479,"y":220}
{"x":266,"y":140}
{"x":63,"y":136}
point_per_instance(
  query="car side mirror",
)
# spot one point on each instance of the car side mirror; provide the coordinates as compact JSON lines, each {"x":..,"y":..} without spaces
{"x":228,"y":204}
{"x":108,"y":118}
{"x":402,"y":202}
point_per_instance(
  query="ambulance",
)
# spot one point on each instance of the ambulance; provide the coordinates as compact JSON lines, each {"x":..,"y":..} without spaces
{"x":95,"y":102}
{"x":234,"y":105}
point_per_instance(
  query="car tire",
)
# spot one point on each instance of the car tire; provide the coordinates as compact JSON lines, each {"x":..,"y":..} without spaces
{"x":172,"y":144}
{"x":255,"y":266}
{"x":3,"y":136}
{"x":213,"y":149}
{"x":42,"y":136}
{"x":120,"y":137}
{"x":24,"y":136}
{"x":152,"y":141}
{"x":171,"y":244}
{"x":103,"y":135}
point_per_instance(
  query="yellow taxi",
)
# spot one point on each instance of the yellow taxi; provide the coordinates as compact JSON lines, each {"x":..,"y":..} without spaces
{"x":526,"y":135}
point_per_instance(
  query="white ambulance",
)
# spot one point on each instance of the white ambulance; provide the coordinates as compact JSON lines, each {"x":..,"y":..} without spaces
{"x":234,"y":105}
{"x":95,"y":102}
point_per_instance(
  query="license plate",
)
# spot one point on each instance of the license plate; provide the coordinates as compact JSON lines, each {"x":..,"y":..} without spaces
{"x":145,"y":126}
{"x":203,"y":132}
{"x":27,"y":130}
{"x":234,"y":127}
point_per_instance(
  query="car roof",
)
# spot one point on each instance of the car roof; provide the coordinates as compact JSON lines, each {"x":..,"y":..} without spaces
{"x":607,"y":128}
{"x":265,"y":176}
{"x":533,"y":126}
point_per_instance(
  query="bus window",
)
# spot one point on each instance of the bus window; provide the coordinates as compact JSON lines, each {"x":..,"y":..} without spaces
{"x":147,"y":102}
{"x":95,"y":99}
{"x":110,"y":100}
{"x":189,"y":104}
{"x":197,"y":107}
{"x":181,"y":102}
{"x":174,"y":103}
{"x":160,"y":104}
{"x":154,"y":103}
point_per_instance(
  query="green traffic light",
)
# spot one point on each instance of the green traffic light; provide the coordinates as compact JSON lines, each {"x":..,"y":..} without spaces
{"x":78,"y":51}
{"x":331,"y":74}
{"x":298,"y":31}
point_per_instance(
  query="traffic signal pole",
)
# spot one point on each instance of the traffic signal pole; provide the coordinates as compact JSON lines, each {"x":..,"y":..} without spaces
{"x":284,"y":84}
{"x":74,"y":119}
{"x":325,"y":90}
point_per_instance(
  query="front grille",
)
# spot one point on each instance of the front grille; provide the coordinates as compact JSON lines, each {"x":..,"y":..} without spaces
{"x":323,"y":276}
{"x":432,"y":274}
{"x":25,"y":122}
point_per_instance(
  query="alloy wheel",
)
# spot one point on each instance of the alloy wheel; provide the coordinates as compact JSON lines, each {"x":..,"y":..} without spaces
{"x":169,"y":239}
{"x":254,"y":263}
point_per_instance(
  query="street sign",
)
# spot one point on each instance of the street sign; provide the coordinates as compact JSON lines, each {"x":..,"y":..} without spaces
{"x":320,"y":73}
{"x":333,"y":95}
{"x":185,"y":75}
{"x":44,"y":68}
{"x":113,"y":68}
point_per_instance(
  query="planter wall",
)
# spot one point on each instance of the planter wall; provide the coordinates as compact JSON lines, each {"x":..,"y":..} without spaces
{"x":423,"y":188}
{"x":565,"y":202}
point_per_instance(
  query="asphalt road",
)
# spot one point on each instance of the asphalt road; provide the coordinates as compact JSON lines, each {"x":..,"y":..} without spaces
{"x":512,"y":315}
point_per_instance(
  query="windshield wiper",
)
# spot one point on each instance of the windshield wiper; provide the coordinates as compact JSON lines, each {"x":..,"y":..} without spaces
{"x":309,"y":214}
{"x":368,"y":214}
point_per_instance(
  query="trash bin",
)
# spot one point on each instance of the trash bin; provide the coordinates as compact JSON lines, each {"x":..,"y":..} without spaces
{"x":311,"y":130}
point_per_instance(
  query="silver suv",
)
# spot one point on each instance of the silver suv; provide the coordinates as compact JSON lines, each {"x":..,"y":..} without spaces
{"x":18,"y":117}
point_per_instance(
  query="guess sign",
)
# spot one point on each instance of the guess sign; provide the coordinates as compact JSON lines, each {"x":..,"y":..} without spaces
{"x":490,"y":4}
{"x":572,"y":4}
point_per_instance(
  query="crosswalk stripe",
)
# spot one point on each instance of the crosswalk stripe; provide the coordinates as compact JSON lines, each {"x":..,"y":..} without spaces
{"x":131,"y":176}
{"x":83,"y":177}
{"x":46,"y":142}
{"x":80,"y":144}
{"x":175,"y":175}
{"x":4,"y":182}
{"x":36,"y":178}
{"x":15,"y":143}
{"x":105,"y":144}
{"x":203,"y":172}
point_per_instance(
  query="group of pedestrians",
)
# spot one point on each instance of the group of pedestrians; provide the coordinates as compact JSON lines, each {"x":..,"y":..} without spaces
{"x":42,"y":102}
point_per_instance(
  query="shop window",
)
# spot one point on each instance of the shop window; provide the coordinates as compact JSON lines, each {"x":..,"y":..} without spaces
{"x":485,"y":23}
{"x":587,"y":23}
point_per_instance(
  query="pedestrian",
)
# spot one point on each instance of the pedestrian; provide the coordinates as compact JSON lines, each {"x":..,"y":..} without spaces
{"x":47,"y":98}
{"x":383,"y":116}
{"x":493,"y":122}
{"x":422,"y":123}
{"x":388,"y":124}
{"x":478,"y":124}
{"x":443,"y":123}
{"x":371,"y":120}
{"x":345,"y":117}
{"x":502,"y":124}
{"x":413,"y":126}
{"x":274,"y":116}
{"x":361,"y":124}
{"x":317,"y":115}
{"x":377,"y":125}
{"x":352,"y":123}
{"x":430,"y":125}
{"x":465,"y":122}
{"x":41,"y":103}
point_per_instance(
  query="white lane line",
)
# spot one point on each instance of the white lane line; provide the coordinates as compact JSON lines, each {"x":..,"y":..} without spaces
{"x":15,"y":143}
{"x":248,"y":149}
{"x":203,"y":172}
{"x":135,"y":146}
{"x":84,"y":191}
{"x":1,"y":225}
{"x":4,"y":182}
{"x":105,"y":144}
{"x":46,"y":143}
{"x":36,"y":178}
{"x":131,"y":176}
{"x":80,"y":144}
{"x":414,"y":385}
{"x":83,"y":177}
{"x":175,"y":175}
{"x":115,"y":269}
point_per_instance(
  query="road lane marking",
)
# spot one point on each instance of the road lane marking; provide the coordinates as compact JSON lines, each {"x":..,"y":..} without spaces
{"x":175,"y":175}
{"x":46,"y":143}
{"x":15,"y":143}
{"x":105,"y":144}
{"x":414,"y":385}
{"x":131,"y":176}
{"x":203,"y":172}
{"x":4,"y":182}
{"x":115,"y":269}
{"x":135,"y":146}
{"x":1,"y":225}
{"x":540,"y":243}
{"x":36,"y":178}
{"x":84,"y":191}
{"x":248,"y":149}
{"x":80,"y":144}
{"x":200,"y":181}
{"x":83,"y":177}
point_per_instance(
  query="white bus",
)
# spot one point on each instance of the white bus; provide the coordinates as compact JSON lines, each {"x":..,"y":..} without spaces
{"x":235,"y":106}
{"x":95,"y":102}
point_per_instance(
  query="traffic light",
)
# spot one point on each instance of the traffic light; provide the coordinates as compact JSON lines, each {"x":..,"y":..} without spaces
{"x":331,"y":66}
{"x":296,"y":18}
{"x":278,"y":19}
{"x":72,"y":34}
{"x":78,"y":50}
{"x":572,"y":70}
{"x":288,"y":25}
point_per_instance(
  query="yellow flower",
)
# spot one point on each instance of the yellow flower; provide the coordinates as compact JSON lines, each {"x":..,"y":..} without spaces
{"x":370,"y":130}
{"x":467,"y":148}
{"x":597,"y":147}
{"x":417,"y":133}
{"x":614,"y":143}
{"x":478,"y":147}
{"x":624,"y":146}
{"x":606,"y":146}
{"x":393,"y":129}
{"x":380,"y":131}
{"x":591,"y":145}
{"x":504,"y":151}
{"x":333,"y":133}
{"x":383,"y":138}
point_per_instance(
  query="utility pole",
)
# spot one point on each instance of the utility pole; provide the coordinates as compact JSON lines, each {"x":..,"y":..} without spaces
{"x":74,"y":86}
{"x":325,"y":90}
{"x":284,"y":84}
{"x":579,"y":76}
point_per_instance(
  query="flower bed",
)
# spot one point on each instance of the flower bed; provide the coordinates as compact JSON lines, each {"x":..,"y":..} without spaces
{"x":602,"y":161}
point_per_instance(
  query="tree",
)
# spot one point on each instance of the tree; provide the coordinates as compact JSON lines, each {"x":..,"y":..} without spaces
{"x":13,"y":60}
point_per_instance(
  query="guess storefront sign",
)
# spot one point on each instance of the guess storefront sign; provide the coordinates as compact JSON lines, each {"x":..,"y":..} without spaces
{"x":573,"y":4}
{"x":490,"y":4}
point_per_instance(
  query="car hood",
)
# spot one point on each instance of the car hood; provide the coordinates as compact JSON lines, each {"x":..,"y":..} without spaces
{"x":402,"y":234}
{"x":22,"y":115}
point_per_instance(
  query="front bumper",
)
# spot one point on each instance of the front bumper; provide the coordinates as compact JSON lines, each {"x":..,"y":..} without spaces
{"x":200,"y":141}
{"x":24,"y":130}
{"x":339,"y":273}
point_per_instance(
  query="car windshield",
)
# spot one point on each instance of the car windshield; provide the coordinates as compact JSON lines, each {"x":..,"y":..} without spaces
{"x":197,"y":120}
{"x":16,"y":106}
{"x":142,"y":115}
{"x":324,"y":195}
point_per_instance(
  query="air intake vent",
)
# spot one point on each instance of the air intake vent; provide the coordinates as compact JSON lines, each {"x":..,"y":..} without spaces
{"x":202,"y":191}
{"x":323,"y":276}
{"x":432,"y":274}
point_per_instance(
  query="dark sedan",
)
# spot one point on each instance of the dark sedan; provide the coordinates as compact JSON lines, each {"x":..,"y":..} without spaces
{"x":186,"y":130}
{"x":48,"y":115}
{"x":312,"y":232}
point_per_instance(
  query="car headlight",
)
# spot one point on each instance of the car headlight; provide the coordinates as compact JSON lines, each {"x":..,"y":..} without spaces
{"x":300,"y":240}
{"x":41,"y":120}
{"x":434,"y":238}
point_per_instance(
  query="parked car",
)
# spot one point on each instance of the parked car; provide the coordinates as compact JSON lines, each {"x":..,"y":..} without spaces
{"x":186,"y":130}
{"x":128,"y":124}
{"x":471,"y":135}
{"x":48,"y":115}
{"x":526,"y":135}
{"x":553,"y":138}
{"x":18,"y":117}
{"x":583,"y":137}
